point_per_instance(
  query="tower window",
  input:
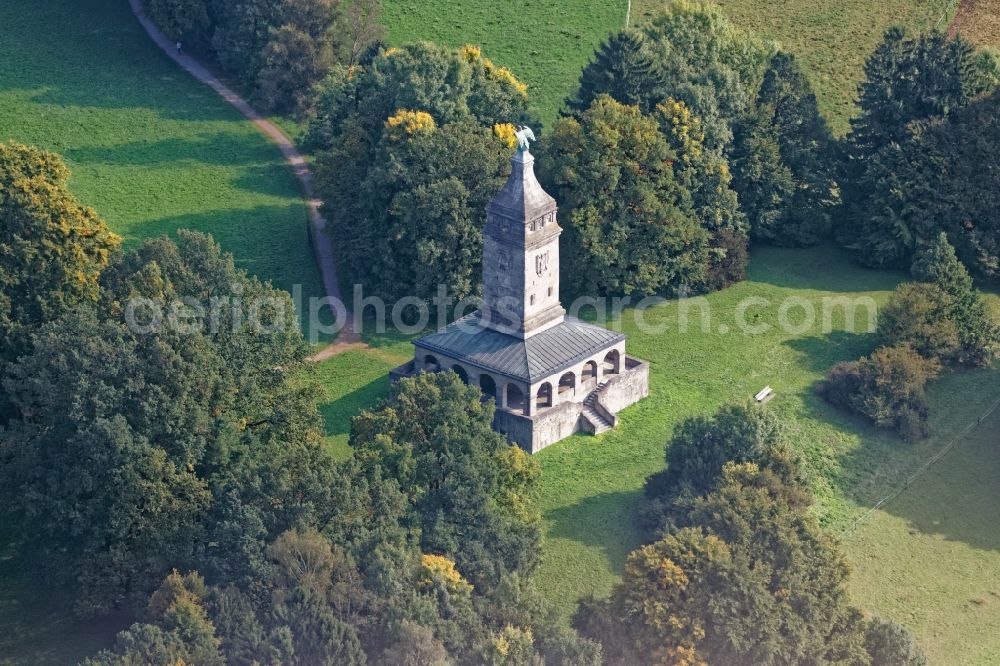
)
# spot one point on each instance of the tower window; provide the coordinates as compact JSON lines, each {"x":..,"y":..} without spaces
{"x":550,"y":292}
{"x":532,"y":299}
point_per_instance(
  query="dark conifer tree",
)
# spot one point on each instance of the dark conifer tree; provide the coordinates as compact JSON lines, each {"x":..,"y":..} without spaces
{"x":623,"y":68}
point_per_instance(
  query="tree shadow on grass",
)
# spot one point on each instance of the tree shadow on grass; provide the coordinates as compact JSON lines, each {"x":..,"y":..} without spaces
{"x":606,"y":522}
{"x":822,"y":352}
{"x":38,"y":620}
{"x":823,"y":268}
{"x":957,"y":497}
{"x":337,"y":413}
{"x":223,"y":148}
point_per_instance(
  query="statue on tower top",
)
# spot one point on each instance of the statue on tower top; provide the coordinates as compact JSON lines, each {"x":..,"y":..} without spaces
{"x":524,"y":135}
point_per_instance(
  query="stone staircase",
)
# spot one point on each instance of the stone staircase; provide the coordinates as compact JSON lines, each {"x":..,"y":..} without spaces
{"x":599,"y":423}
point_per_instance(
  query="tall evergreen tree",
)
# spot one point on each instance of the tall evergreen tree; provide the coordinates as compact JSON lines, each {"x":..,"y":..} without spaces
{"x":780,"y":159}
{"x":624,"y":69}
{"x":908,"y":82}
{"x":978,"y":332}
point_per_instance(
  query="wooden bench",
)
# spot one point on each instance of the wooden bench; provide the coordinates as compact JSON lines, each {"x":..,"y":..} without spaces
{"x":764,"y":395}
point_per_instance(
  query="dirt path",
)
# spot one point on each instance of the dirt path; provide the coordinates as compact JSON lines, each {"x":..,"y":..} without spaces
{"x":322,"y":250}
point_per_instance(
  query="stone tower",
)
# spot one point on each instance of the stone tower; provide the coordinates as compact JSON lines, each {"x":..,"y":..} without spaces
{"x":549,"y":374}
{"x":521,"y":256}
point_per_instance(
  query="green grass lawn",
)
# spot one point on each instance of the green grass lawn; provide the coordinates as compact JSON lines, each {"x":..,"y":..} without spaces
{"x":591,"y":486}
{"x":545,"y":42}
{"x":832,"y":38}
{"x":931,"y":558}
{"x":150,"y":148}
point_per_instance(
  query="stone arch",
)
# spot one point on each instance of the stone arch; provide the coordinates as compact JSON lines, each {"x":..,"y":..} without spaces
{"x":589,"y":370}
{"x":462,"y":374}
{"x":431,"y":363}
{"x":515,"y":399}
{"x":567,"y":383}
{"x":488,"y":386}
{"x":544,"y":396}
{"x":612,"y":362}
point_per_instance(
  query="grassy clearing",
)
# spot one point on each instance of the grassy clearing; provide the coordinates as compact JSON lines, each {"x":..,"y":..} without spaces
{"x":832,"y":39}
{"x":979,"y":21}
{"x":150,"y":148}
{"x":590,"y":487}
{"x":931,"y":558}
{"x":351,"y":382}
{"x":545,"y":42}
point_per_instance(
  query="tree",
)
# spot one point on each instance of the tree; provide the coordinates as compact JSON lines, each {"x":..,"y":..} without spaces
{"x":448,"y":85}
{"x":890,"y":644}
{"x":978,"y":332}
{"x":908,"y":82}
{"x":363,"y":30}
{"x":624,"y":69}
{"x":886,"y":387}
{"x":701,"y":447}
{"x":709,"y":64}
{"x":178,"y":629}
{"x":919,"y":314}
{"x":409,"y":156}
{"x":746,"y":579}
{"x":52,"y":248}
{"x":174,"y":433}
{"x":190,"y":21}
{"x":629,"y":223}
{"x":411,"y":219}
{"x":243,"y":29}
{"x":780,"y":159}
{"x":471,"y":491}
{"x":292,"y":61}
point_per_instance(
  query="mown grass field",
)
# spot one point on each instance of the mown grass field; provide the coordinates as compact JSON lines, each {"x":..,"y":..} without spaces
{"x":591,"y":486}
{"x":979,"y":21}
{"x":931,"y":559}
{"x":149,"y":147}
{"x":545,"y":42}
{"x":832,"y":39}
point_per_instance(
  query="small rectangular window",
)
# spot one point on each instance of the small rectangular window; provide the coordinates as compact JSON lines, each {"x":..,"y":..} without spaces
{"x":550,"y":292}
{"x":532,"y":299}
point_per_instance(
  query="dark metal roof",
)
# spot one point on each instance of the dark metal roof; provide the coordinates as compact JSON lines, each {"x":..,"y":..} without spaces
{"x":540,"y":356}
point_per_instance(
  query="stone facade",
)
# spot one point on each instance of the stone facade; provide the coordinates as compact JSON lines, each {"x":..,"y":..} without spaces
{"x":551,"y":376}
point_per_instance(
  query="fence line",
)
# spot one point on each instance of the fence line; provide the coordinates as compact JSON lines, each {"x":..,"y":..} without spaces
{"x":922,"y":469}
{"x":949,"y":5}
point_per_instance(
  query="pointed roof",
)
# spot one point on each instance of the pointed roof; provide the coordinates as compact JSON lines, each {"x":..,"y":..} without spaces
{"x":522,"y":197}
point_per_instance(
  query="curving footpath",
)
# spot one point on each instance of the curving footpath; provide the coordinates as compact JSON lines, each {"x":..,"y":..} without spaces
{"x":348,"y":338}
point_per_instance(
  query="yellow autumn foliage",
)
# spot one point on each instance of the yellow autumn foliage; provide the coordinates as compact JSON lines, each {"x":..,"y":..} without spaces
{"x":434,"y":567}
{"x":684,"y":126}
{"x":405,"y":123}
{"x":471,"y":54}
{"x":506,"y":133}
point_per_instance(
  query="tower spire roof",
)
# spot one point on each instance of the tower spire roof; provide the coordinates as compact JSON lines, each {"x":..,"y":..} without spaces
{"x":522,"y":197}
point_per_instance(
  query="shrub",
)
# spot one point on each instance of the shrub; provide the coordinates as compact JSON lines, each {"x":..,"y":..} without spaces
{"x":886,"y":387}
